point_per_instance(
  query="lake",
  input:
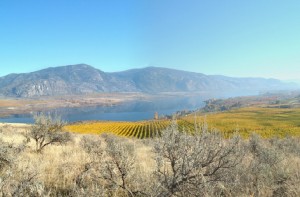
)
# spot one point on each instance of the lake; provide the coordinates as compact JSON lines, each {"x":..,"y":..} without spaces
{"x":130,"y":111}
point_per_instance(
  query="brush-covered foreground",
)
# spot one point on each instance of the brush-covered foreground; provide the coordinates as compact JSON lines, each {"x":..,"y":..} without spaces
{"x":267,"y":122}
{"x":174,"y":164}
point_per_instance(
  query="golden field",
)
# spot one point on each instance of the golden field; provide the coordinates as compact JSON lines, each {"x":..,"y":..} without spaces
{"x":140,"y":129}
{"x":267,"y":122}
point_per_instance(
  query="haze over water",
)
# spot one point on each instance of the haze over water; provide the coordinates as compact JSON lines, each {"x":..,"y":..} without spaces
{"x":129,"y":111}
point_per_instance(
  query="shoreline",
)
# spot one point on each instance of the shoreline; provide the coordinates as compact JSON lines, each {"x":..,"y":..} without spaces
{"x":20,"y":106}
{"x":17,"y":106}
{"x":14,"y":125}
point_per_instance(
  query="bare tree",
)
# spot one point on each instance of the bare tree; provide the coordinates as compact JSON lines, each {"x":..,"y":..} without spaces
{"x":47,"y":130}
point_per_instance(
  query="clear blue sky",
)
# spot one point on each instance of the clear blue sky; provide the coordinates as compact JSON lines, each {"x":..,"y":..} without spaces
{"x":234,"y":38}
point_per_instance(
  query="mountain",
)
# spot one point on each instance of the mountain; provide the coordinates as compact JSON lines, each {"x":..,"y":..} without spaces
{"x":84,"y":79}
{"x":154,"y":79}
{"x":73,"y":79}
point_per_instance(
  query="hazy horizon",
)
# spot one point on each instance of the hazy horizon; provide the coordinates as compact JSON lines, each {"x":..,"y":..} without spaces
{"x":232,"y":38}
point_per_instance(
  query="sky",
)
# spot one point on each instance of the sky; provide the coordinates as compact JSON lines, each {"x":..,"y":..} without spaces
{"x":249,"y":38}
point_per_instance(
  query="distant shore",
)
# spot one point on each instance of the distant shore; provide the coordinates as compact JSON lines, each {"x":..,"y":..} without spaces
{"x":13,"y":106}
{"x":13,"y":124}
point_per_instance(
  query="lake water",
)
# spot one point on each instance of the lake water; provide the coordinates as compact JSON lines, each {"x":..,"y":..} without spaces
{"x":130,"y":111}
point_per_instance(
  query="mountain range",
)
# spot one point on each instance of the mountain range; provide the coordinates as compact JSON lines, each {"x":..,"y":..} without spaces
{"x":85,"y":79}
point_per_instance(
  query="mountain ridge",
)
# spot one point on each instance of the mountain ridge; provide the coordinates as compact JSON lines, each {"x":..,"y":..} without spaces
{"x":85,"y":79}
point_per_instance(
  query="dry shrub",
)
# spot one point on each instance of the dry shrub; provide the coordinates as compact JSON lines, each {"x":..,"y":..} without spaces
{"x":47,"y":131}
{"x":193,"y":165}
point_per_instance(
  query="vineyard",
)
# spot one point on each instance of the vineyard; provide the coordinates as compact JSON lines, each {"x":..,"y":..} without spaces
{"x":267,"y":122}
{"x":141,"y":129}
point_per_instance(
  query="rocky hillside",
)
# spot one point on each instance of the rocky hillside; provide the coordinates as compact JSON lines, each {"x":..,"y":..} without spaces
{"x":84,"y":79}
{"x":74,"y":79}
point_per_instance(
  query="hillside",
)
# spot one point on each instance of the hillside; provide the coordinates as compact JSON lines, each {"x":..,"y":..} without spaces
{"x":84,"y":79}
{"x":74,"y":79}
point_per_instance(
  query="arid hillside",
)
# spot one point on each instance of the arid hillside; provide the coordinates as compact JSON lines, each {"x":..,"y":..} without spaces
{"x":82,"y":79}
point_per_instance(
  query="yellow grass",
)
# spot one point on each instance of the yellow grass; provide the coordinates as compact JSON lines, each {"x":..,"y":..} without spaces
{"x":58,"y":166}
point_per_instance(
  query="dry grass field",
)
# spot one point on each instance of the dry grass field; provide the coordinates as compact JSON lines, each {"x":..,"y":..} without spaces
{"x":175,"y":164}
{"x":57,"y":167}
